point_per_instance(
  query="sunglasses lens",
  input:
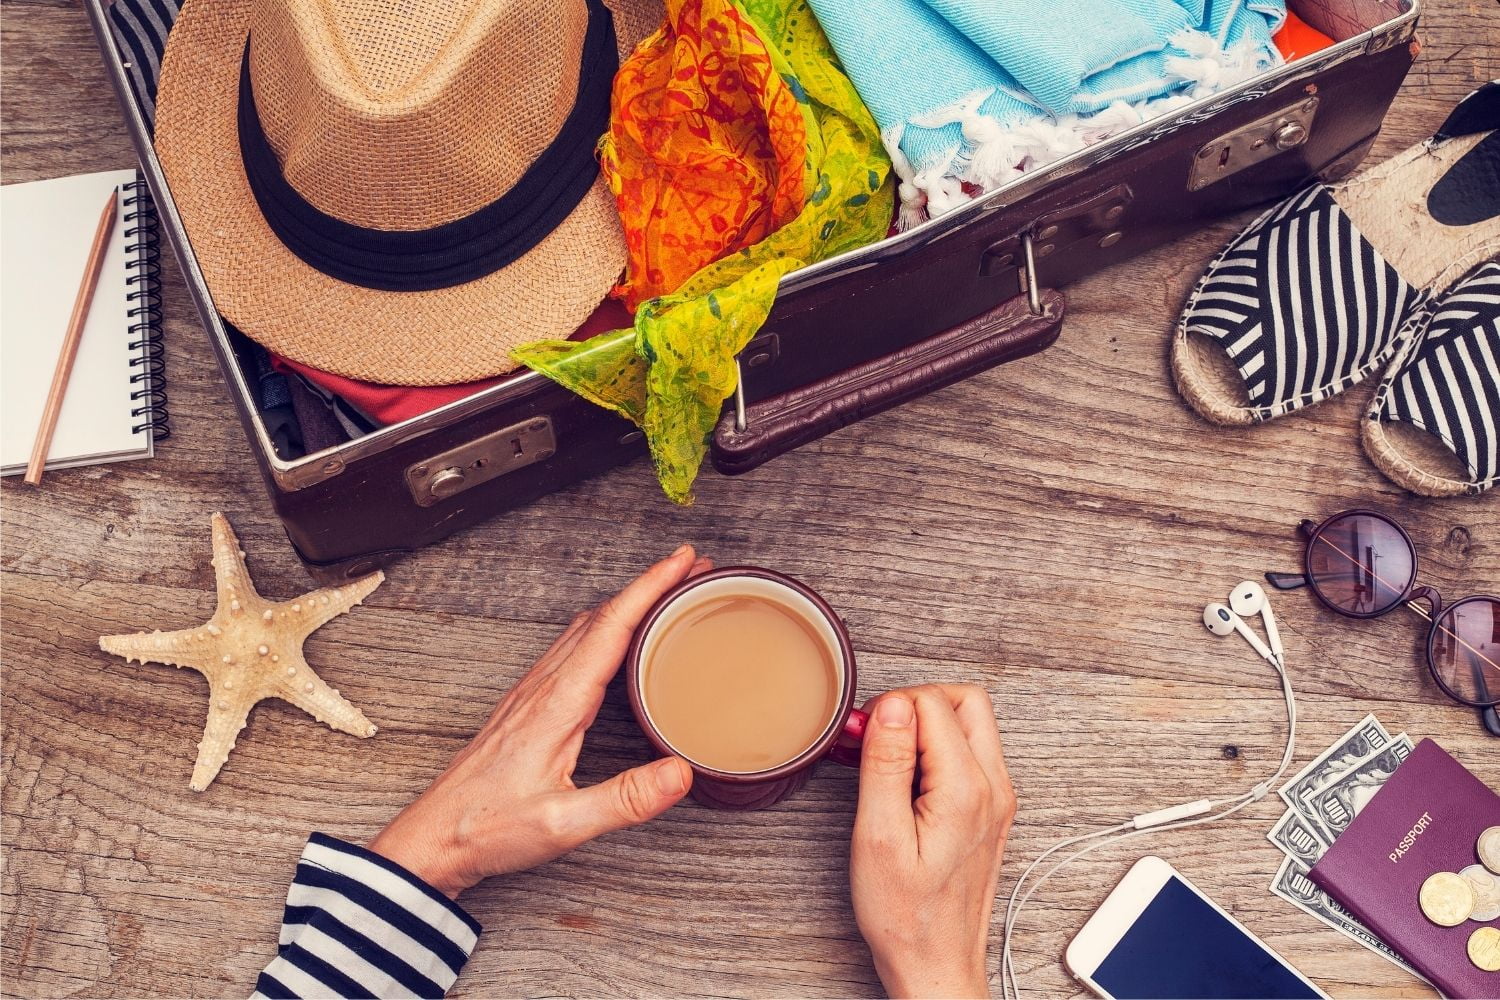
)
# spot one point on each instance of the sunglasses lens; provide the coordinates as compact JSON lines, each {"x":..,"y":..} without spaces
{"x":1465,"y":650}
{"x":1361,"y":564}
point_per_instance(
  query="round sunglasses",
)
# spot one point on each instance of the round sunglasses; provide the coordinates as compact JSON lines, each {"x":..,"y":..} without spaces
{"x":1362,"y":564}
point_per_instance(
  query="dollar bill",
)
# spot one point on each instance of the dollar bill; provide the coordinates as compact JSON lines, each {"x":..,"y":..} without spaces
{"x":1333,"y":806}
{"x":1367,"y":736}
{"x":1298,"y":838}
{"x":1292,"y":884}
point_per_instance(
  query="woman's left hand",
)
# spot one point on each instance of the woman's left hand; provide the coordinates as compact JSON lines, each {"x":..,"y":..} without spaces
{"x":507,"y":801}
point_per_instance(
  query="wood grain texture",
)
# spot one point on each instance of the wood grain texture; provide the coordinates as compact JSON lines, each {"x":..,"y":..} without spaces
{"x":1050,"y":529}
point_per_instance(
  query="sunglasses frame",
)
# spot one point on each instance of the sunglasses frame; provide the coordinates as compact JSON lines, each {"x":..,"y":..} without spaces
{"x":1412,"y":592}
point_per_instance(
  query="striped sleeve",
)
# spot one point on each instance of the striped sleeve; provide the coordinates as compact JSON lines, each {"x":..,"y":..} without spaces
{"x":359,"y":925}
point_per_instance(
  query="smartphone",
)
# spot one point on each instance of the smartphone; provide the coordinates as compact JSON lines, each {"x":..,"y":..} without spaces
{"x":1158,"y":936}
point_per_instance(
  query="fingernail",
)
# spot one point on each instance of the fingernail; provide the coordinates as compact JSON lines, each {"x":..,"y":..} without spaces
{"x":669,"y":777}
{"x":894,"y":712}
{"x":679,"y":550}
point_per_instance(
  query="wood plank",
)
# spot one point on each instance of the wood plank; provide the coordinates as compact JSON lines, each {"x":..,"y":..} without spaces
{"x":1050,"y":529}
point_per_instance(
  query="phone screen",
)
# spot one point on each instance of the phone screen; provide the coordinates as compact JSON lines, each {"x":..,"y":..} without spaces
{"x":1181,"y":946}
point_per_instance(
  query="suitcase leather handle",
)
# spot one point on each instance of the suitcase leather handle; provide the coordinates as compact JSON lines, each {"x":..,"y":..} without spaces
{"x":781,"y":423}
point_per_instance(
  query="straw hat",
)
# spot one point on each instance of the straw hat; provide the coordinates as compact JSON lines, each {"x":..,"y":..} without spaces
{"x":397,"y":192}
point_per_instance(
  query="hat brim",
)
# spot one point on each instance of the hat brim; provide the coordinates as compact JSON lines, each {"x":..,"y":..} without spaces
{"x":457,"y":334}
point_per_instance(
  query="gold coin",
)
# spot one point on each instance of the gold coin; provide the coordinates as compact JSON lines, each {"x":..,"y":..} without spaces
{"x":1489,"y":849}
{"x":1484,"y":949}
{"x":1446,"y":899}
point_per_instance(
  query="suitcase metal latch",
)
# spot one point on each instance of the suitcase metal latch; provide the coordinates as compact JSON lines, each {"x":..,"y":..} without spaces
{"x":1249,"y":144}
{"x":451,"y":472}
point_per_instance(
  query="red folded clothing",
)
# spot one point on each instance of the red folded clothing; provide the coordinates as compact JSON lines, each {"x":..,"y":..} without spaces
{"x":1297,"y":38}
{"x":388,"y":404}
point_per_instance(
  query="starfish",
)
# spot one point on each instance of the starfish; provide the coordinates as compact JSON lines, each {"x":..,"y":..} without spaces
{"x":251,"y":649}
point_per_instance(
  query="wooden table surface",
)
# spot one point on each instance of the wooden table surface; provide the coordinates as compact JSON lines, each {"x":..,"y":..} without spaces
{"x":1051,"y":530}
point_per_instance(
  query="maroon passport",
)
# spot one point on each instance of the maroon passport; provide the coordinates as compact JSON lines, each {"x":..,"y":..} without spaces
{"x":1426,"y":818}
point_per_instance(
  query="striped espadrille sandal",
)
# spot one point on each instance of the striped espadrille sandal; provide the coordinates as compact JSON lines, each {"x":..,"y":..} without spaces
{"x":1433,"y":426}
{"x":1315,"y":295}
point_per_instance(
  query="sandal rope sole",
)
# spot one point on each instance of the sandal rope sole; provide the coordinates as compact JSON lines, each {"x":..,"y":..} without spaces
{"x":1387,"y":205}
{"x":1396,"y":463}
{"x":1423,"y":457}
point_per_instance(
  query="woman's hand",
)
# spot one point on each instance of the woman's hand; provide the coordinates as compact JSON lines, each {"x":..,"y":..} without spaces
{"x":507,"y":801}
{"x":924,"y":871}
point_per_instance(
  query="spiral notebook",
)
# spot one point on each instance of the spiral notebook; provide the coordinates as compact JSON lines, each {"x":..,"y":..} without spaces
{"x":115,"y":407}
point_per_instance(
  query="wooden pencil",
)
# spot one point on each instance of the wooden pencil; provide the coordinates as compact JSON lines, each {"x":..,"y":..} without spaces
{"x":69,"y":352}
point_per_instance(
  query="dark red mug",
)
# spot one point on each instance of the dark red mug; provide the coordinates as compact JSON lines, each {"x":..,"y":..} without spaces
{"x":840,"y":739}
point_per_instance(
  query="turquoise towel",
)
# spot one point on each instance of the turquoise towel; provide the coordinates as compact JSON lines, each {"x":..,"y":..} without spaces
{"x":884,"y":41}
{"x":1054,"y":65}
{"x":972,"y":93}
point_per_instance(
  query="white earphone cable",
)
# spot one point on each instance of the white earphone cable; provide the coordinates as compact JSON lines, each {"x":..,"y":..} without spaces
{"x":1157,"y":822}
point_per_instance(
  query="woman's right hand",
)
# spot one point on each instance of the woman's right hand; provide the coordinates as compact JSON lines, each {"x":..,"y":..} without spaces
{"x":923,"y":870}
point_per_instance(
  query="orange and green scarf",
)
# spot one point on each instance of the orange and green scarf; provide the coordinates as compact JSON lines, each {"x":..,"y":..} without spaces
{"x":738,"y":151}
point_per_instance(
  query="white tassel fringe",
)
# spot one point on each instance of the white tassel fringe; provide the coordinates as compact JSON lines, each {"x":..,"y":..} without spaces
{"x":994,"y":154}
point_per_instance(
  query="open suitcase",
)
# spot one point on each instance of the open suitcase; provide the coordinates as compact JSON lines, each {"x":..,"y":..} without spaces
{"x":967,"y":291}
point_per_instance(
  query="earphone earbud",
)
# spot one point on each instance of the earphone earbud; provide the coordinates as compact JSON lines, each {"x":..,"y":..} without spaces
{"x":1221,"y":622}
{"x":1249,"y":598}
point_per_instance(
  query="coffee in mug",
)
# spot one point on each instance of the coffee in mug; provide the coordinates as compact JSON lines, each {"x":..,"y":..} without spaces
{"x":749,"y":676}
{"x":740,"y":680}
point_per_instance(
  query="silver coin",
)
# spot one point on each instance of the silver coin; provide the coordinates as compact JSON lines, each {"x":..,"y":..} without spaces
{"x":1486,"y":888}
{"x":1489,"y":849}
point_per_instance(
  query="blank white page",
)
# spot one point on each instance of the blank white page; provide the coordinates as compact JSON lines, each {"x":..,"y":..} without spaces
{"x":46,"y":230}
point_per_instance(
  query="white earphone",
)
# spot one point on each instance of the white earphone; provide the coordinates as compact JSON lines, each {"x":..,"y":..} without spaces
{"x":1221,"y":622}
{"x":1246,"y":599}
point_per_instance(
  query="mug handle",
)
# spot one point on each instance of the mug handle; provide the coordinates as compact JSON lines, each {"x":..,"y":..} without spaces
{"x":846,"y":749}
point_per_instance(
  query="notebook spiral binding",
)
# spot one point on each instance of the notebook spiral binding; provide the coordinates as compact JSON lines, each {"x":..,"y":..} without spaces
{"x":144,"y":296}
